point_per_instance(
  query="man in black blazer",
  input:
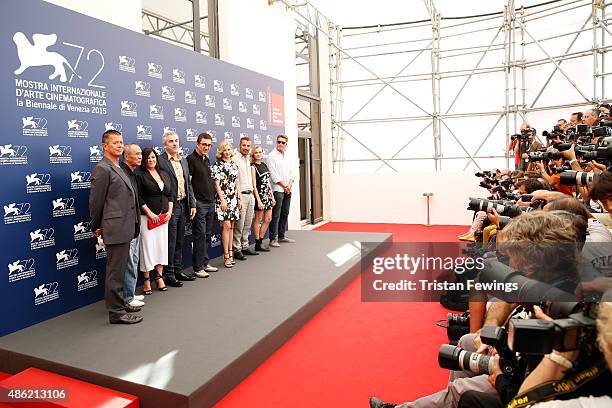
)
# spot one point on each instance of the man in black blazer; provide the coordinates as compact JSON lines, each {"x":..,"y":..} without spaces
{"x":184,"y":206}
{"x":113,"y":208}
{"x":132,"y":158}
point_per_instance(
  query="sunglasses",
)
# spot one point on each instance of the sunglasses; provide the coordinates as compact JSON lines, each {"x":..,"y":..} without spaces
{"x":205,"y":144}
{"x":281,"y":142}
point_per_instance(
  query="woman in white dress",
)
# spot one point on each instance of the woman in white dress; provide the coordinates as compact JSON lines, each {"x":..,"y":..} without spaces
{"x":156,"y":209}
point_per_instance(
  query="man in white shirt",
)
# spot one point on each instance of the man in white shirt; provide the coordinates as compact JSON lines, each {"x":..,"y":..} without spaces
{"x":242,"y":227}
{"x":282,"y":175}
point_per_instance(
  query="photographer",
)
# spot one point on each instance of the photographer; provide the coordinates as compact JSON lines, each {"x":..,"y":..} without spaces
{"x":576,"y":119}
{"x":602,"y":190}
{"x":557,"y":366}
{"x":604,"y":110}
{"x":554,"y":179}
{"x":591,"y":117}
{"x":598,"y":239}
{"x":525,"y":143}
{"x":531,"y":243}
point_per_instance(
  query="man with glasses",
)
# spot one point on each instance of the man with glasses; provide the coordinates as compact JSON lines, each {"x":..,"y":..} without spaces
{"x":184,"y":207}
{"x":204,"y":191}
{"x":282,"y":175}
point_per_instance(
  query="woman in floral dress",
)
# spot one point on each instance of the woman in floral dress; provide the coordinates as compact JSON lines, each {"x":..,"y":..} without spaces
{"x":227,"y":205}
{"x":264,"y":198}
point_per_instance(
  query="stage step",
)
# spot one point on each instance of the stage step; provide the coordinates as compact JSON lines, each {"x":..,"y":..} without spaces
{"x":80,"y":394}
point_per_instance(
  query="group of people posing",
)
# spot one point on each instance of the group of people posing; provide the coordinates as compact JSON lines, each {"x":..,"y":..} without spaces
{"x":140,"y":206}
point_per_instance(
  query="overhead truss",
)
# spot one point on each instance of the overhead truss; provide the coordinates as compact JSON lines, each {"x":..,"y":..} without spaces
{"x":509,"y":31}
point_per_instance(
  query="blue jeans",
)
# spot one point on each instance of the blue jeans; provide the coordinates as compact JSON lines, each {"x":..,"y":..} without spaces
{"x":280,"y":214}
{"x":131,"y":274}
{"x":202,"y":232}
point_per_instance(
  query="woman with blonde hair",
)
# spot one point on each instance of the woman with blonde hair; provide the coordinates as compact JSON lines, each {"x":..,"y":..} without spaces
{"x":264,"y":197}
{"x":227,"y":206}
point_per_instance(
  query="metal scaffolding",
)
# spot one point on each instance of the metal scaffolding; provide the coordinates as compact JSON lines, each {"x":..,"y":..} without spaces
{"x":513,"y":31}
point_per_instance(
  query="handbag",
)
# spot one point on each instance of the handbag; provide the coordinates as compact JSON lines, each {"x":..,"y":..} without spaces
{"x":162,"y":218}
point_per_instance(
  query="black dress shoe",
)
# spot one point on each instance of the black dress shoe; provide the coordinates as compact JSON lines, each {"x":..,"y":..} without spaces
{"x":125,"y":319}
{"x":184,"y":277}
{"x":239,"y":255}
{"x":378,"y":403}
{"x":249,"y":251}
{"x":171,"y":281}
{"x":131,"y":309}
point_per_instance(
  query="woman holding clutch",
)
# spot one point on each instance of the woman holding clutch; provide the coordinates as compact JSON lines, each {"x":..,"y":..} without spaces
{"x":156,"y":209}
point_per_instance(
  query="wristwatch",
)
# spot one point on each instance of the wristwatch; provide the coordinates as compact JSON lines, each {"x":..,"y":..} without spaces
{"x":559,"y":359}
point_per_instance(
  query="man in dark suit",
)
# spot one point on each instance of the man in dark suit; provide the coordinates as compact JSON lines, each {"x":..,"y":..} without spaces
{"x":184,"y":206}
{"x":114,"y":213}
{"x":132,"y":158}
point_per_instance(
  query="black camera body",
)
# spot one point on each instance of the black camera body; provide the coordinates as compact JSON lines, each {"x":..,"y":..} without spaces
{"x":456,"y":326}
{"x":544,"y":156}
{"x":573,"y":329}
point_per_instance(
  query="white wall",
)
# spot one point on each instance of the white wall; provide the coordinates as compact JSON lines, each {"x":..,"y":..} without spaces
{"x":398,"y":198}
{"x":260,"y":37}
{"x":124,"y":13}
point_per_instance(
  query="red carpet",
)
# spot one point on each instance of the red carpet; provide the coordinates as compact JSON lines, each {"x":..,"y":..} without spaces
{"x":353,"y":350}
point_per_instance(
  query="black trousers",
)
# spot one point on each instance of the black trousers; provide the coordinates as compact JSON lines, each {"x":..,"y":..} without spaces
{"x":116,"y":265}
{"x":176,"y":235}
{"x":280,"y":214}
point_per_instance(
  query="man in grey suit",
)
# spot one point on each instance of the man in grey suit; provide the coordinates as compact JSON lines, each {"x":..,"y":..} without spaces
{"x":114,"y":214}
{"x":184,"y":207}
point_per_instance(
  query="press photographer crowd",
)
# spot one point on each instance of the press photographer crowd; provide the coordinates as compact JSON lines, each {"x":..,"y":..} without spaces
{"x":543,"y":226}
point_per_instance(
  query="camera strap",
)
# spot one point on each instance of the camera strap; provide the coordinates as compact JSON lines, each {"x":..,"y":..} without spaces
{"x":552,"y":389}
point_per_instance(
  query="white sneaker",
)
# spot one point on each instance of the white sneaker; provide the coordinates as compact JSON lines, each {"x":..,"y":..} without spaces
{"x":201,"y":274}
{"x":274,"y":243}
{"x":136,"y":303}
{"x":139,"y":297}
{"x":210,"y":268}
{"x":288,"y":240}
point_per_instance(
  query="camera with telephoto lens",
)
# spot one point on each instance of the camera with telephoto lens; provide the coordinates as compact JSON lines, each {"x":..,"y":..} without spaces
{"x":456,"y":358}
{"x":544,"y":156}
{"x":485,"y":173}
{"x":593,"y":152}
{"x":573,"y":328}
{"x":581,"y":178}
{"x":559,"y":170}
{"x":562,"y":146}
{"x":557,"y":132}
{"x":524,"y":135}
{"x":503,"y":207}
{"x":601,"y":131}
